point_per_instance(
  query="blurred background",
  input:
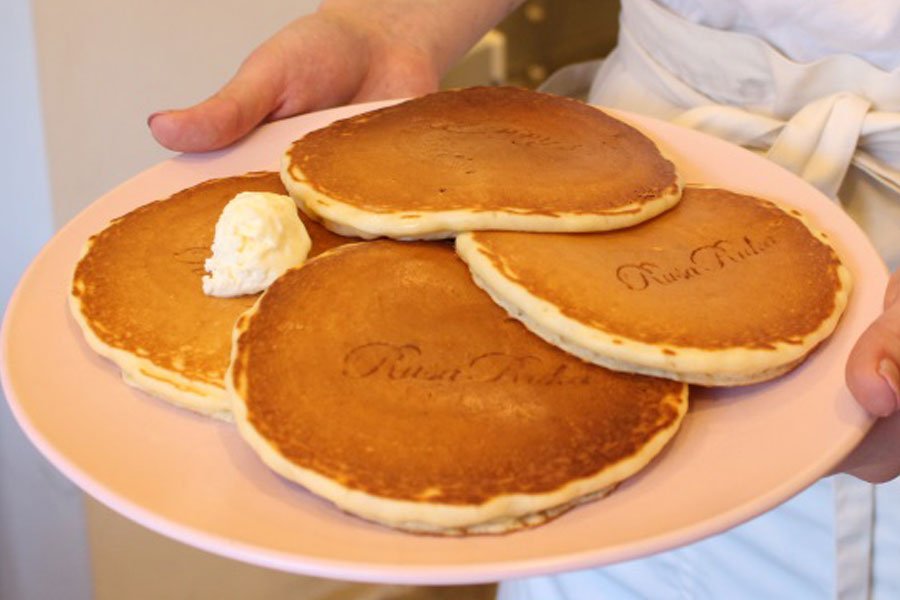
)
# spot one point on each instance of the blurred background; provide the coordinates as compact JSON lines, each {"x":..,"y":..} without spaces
{"x":80,"y":79}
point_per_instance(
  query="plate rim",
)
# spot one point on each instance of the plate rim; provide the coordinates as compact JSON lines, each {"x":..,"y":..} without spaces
{"x":353,"y":570}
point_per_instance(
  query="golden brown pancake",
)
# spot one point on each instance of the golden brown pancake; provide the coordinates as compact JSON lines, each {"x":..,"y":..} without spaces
{"x":479,"y":158}
{"x":138,"y":296}
{"x":411,"y":399}
{"x":724,"y":289}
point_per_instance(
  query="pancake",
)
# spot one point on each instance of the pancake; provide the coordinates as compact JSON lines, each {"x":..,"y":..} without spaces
{"x":138,"y":297}
{"x":724,"y":289}
{"x":479,"y":158}
{"x":412,"y":400}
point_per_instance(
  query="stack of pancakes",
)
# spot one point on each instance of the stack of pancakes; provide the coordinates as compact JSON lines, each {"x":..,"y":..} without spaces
{"x":380,"y":376}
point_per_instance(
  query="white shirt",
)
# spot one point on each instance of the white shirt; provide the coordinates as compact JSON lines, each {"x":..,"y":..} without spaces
{"x":739,"y":69}
{"x":807,"y":30}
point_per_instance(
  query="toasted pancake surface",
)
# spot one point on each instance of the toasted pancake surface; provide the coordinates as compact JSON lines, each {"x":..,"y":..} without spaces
{"x":723,"y":289}
{"x":413,"y":400}
{"x":137,"y":293}
{"x":479,"y":158}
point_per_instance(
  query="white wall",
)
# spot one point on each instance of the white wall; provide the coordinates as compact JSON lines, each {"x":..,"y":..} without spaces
{"x":73,"y":122}
{"x":41,"y":524}
{"x":105,"y":66}
{"x":79,"y":80}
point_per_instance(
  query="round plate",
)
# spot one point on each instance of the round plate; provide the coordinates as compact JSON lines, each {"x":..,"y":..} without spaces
{"x":741,"y":451}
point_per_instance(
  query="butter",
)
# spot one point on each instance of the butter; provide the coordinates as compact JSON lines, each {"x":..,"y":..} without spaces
{"x":258,"y":237}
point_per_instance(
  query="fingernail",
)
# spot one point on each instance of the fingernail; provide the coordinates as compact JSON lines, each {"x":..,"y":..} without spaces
{"x":891,"y":375}
{"x":156,"y":114}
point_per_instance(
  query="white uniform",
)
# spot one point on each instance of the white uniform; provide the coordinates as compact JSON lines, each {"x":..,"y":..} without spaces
{"x":816,"y":85}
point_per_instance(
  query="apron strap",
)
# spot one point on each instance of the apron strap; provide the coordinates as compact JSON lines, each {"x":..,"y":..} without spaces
{"x":854,"y":505}
{"x":816,"y":138}
{"x":818,"y":143}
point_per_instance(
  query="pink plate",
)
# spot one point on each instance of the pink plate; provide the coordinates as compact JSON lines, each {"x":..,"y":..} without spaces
{"x":741,"y":451}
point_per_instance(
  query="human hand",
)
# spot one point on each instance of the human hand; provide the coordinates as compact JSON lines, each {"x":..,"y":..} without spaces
{"x":874,"y":380}
{"x":349,"y":51}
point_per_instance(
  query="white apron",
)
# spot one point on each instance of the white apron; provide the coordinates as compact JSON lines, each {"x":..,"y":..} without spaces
{"x":834,"y":122}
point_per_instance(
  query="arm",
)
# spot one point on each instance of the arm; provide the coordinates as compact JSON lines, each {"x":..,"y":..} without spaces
{"x":874,"y":380}
{"x":348,"y":51}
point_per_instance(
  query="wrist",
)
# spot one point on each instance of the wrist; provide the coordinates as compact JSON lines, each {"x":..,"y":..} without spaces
{"x":436,"y":32}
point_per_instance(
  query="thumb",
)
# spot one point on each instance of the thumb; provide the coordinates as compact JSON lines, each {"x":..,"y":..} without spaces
{"x":232,"y":112}
{"x":872,"y":371}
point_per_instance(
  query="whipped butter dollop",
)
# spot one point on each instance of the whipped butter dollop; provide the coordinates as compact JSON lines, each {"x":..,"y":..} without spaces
{"x":258,"y":237}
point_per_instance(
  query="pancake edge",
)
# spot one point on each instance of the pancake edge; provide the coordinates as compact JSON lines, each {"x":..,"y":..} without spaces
{"x":145,"y":375}
{"x":499,"y":515}
{"x":726,"y":367}
{"x":347,"y":220}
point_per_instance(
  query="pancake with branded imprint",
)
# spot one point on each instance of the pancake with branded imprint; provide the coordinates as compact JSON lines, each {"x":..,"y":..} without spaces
{"x":412,"y":400}
{"x":724,"y":289}
{"x":137,"y":293}
{"x":479,"y":158}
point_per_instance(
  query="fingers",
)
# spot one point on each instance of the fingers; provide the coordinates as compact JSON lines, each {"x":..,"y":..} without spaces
{"x":872,"y":373}
{"x":313,"y":62}
{"x":874,"y":379}
{"x":877,"y":458}
{"x":320,"y":60}
{"x":210,"y":125}
{"x":230,"y":114}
